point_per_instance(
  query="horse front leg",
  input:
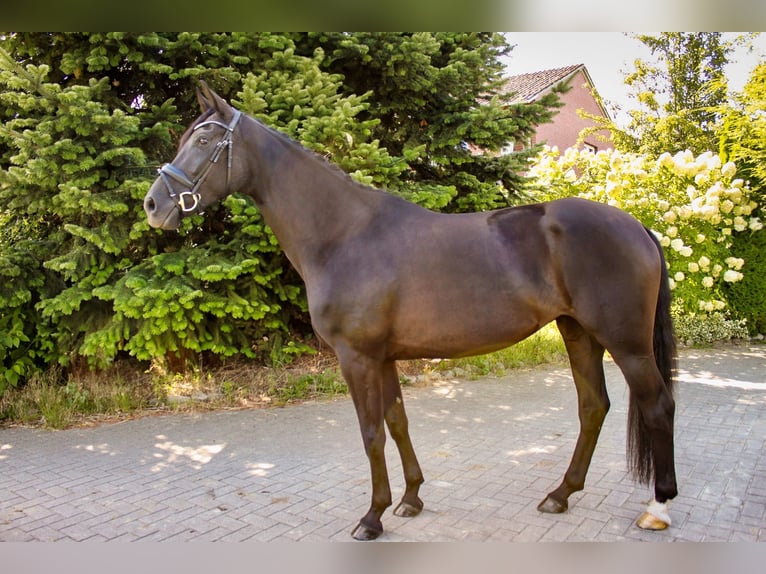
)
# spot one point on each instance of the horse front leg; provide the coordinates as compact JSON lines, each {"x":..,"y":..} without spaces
{"x":398,"y":426}
{"x":364,"y":377}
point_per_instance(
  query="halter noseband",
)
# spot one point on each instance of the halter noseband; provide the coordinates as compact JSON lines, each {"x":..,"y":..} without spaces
{"x":169,"y":171}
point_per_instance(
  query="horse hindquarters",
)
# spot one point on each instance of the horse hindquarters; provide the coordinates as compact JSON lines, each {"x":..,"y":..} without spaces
{"x":613,"y":271}
{"x":651,"y":409}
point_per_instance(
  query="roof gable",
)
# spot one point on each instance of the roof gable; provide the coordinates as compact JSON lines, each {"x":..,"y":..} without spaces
{"x":528,"y":87}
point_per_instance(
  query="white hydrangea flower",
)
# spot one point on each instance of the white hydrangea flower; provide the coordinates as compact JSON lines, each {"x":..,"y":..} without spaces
{"x":665,"y":160}
{"x":729,"y":170}
{"x":734,"y":262}
{"x":670,"y":216}
{"x":712,"y":162}
{"x":731,"y":276}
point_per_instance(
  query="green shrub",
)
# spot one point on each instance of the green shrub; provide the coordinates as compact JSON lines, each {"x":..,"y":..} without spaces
{"x":747,"y":298}
{"x":704,"y":329}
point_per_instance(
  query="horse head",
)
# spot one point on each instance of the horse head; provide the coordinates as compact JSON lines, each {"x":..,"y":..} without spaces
{"x":195,"y":178}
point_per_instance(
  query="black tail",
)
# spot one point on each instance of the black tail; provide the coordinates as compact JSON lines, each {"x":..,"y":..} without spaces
{"x":640,"y":460}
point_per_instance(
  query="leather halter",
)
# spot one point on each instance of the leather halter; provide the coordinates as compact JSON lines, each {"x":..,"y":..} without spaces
{"x":169,"y":171}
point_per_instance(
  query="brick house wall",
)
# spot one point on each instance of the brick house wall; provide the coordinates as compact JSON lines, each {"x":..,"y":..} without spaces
{"x":564,"y":129}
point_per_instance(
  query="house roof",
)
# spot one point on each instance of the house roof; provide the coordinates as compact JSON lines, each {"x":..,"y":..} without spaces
{"x":528,"y":87}
{"x":532,"y":86}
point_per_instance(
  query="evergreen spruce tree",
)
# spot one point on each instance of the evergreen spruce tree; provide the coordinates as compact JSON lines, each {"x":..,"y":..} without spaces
{"x":439,"y":104}
{"x":65,"y":203}
{"x":87,"y":118}
{"x":229,"y":289}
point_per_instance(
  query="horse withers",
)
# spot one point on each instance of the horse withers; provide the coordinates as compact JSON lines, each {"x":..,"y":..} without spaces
{"x":389,"y":280}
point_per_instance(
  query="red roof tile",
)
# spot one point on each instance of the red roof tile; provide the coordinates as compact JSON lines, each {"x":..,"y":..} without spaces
{"x":528,"y":86}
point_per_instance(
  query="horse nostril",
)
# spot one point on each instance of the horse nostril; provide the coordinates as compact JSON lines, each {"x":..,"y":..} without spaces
{"x":149,"y":205}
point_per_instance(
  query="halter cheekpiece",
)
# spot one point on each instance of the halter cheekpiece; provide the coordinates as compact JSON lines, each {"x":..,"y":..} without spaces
{"x":188,"y":200}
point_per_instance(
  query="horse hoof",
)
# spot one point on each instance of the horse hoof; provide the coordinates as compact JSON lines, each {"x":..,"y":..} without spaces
{"x":650,"y":522}
{"x":407,"y":510}
{"x":656,"y":517}
{"x":365,"y":533}
{"x":552,"y":506}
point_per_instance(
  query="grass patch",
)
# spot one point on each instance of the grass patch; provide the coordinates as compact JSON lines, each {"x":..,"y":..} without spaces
{"x":327,"y":384}
{"x":51,"y":402}
{"x":241,"y":385}
{"x":545,"y":346}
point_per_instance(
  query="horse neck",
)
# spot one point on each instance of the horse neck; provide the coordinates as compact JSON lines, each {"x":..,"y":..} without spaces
{"x":310,"y":205}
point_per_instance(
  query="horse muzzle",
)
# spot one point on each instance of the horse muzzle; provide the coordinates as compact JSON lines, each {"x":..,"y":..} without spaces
{"x":161,"y":210}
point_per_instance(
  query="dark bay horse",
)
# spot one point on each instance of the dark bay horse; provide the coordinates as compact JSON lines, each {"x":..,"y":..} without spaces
{"x":389,"y":280}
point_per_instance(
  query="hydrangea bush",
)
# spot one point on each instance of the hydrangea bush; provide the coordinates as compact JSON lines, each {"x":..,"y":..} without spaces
{"x":693,"y":204}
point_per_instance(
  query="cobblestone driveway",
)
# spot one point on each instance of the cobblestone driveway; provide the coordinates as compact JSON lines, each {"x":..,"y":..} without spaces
{"x":490,"y":450}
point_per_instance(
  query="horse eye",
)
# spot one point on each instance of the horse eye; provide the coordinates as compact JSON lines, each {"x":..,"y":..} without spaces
{"x":202,"y":140}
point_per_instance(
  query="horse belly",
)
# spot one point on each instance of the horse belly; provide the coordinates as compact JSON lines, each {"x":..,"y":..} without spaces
{"x":450,"y":323}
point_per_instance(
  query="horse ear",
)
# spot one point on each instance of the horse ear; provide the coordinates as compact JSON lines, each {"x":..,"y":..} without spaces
{"x":209,"y":99}
{"x":204,"y":103}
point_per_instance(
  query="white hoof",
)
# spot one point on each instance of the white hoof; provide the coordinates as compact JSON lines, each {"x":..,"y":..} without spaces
{"x":656,"y":517}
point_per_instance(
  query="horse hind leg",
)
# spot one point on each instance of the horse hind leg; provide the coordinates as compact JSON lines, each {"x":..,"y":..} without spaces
{"x":650,"y":444}
{"x":398,"y":426}
{"x":586,"y":360}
